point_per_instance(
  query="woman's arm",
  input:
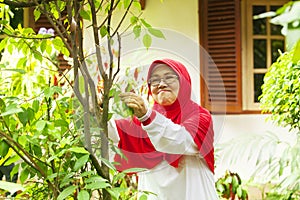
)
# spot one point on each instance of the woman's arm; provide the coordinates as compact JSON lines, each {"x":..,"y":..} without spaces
{"x":165,"y":135}
{"x":169,"y":137}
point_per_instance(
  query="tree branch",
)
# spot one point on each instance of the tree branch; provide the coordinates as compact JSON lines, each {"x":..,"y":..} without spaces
{"x":26,"y":157}
{"x":123,"y":18}
{"x":20,"y":4}
{"x":119,"y":58}
{"x":97,"y":40}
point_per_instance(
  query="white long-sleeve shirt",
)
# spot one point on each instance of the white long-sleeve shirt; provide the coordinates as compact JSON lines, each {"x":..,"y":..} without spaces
{"x":191,"y":180}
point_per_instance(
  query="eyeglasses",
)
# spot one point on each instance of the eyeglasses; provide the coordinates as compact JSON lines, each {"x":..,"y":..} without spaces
{"x":168,"y":79}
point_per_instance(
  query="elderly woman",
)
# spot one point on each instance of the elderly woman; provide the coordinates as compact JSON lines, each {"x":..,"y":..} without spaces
{"x":173,"y":140}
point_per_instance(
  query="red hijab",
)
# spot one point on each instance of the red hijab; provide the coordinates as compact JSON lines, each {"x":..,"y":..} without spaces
{"x":137,"y":147}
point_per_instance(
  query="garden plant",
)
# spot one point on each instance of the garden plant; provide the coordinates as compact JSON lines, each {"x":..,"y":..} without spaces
{"x":51,"y":126}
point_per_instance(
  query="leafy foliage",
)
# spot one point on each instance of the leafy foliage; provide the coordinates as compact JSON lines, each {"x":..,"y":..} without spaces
{"x":230,"y":187}
{"x":281,"y":89}
{"x":52,"y":133}
{"x":273,"y":160}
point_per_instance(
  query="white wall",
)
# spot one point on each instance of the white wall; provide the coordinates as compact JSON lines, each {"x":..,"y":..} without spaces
{"x":231,"y":127}
{"x":176,"y":15}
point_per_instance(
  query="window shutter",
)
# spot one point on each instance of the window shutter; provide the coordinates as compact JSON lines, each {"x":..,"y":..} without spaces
{"x":43,"y":22}
{"x":221,"y":39}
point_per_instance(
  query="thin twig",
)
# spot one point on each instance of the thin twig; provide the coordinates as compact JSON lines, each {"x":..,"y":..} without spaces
{"x":123,"y":18}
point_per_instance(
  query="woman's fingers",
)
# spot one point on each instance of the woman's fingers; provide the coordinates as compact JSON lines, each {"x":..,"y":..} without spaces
{"x":135,"y":102}
{"x":129,"y":97}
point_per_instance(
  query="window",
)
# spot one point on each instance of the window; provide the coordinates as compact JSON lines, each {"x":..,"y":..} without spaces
{"x":242,"y":50}
{"x":262,"y":43}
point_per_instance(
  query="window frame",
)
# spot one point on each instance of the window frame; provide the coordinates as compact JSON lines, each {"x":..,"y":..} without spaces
{"x":247,"y":51}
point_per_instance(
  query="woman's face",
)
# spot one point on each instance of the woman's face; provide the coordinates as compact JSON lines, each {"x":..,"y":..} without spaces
{"x":164,"y":85}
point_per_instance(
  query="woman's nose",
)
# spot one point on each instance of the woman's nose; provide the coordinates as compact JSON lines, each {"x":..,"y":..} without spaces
{"x":162,"y":83}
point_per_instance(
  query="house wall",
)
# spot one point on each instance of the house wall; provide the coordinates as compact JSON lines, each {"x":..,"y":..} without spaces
{"x":179,"y":22}
{"x":176,"y":15}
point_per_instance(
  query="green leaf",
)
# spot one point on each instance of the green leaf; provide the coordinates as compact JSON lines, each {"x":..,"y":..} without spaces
{"x":43,"y":45}
{"x":116,"y":192}
{"x":143,"y":197}
{"x":87,"y":173}
{"x":95,"y":179}
{"x":22,"y":140}
{"x":21,"y":71}
{"x":24,"y":175}
{"x":145,"y":23}
{"x":52,"y":90}
{"x":58,"y":43}
{"x":109,"y":116}
{"x":79,"y":150}
{"x":81,"y":162}
{"x":83,"y":195}
{"x":283,"y":8}
{"x":61,"y":123}
{"x":126,"y":3}
{"x":220,"y":188}
{"x":134,"y":170}
{"x":97,"y":185}
{"x":22,"y":62}
{"x":118,"y":177}
{"x":296,"y":56}
{"x":244,"y":195}
{"x":40,"y":125}
{"x":27,"y":31}
{"x":3,"y":44}
{"x":11,"y":187}
{"x":137,"y":31}
{"x":134,"y":20}
{"x":23,"y":117}
{"x":15,"y":170}
{"x":156,"y":33}
{"x":66,"y":192}
{"x":2,"y":104}
{"x":107,"y":163}
{"x":235,"y":184}
{"x":239,"y":191}
{"x":11,"y":111}
{"x":37,"y":55}
{"x":37,"y":14}
{"x":137,"y":5}
{"x":8,"y":31}
{"x":103,"y":31}
{"x":10,"y":48}
{"x":12,"y":159}
{"x":49,"y":49}
{"x":147,"y":40}
{"x":67,"y":179}
{"x":85,"y":14}
{"x":36,"y":105}
{"x":65,"y":51}
{"x":3,"y":148}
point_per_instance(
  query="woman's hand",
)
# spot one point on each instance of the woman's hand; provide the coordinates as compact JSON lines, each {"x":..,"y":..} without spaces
{"x":135,"y":102}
